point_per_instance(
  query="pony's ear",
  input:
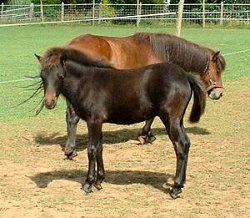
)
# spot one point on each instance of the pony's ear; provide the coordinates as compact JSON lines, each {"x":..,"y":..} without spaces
{"x":215,"y":56}
{"x":38,"y":57}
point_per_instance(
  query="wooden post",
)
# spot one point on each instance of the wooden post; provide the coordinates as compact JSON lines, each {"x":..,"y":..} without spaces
{"x":62,"y":12}
{"x":31,"y":11}
{"x":100,"y":13}
{"x":221,"y":13}
{"x":93,"y":13}
{"x":203,"y":14}
{"x":179,"y":18}
{"x":138,"y":18}
{"x":41,"y":10}
{"x":2,"y":6}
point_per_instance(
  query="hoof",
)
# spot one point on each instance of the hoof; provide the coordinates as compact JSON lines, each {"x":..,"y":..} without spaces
{"x":87,"y":188}
{"x":70,"y":155}
{"x":145,"y":139}
{"x":142,"y":139}
{"x":98,"y":185}
{"x":150,"y":139}
{"x":174,"y":192}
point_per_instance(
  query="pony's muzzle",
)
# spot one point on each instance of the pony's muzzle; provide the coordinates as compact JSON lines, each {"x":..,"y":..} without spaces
{"x":50,"y":100}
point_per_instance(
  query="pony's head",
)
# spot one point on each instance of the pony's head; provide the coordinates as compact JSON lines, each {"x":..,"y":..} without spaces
{"x":212,"y":76}
{"x":52,"y":75}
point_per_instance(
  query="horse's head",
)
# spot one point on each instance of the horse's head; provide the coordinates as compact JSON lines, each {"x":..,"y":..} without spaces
{"x":52,"y":75}
{"x":212,"y":76}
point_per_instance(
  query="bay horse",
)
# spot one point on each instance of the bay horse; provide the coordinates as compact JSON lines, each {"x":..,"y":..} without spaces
{"x":100,"y":93}
{"x":142,"y":49}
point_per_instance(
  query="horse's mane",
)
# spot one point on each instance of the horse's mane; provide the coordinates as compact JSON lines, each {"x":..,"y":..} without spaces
{"x":55,"y":55}
{"x":188,"y":55}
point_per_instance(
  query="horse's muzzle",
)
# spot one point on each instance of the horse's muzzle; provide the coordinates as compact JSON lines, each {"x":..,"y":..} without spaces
{"x":215,"y":93}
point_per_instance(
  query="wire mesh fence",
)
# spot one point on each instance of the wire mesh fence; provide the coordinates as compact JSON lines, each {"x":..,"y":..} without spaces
{"x":124,"y":13}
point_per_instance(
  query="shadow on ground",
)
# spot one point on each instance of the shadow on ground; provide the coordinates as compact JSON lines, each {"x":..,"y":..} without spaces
{"x":155,"y":179}
{"x":109,"y":137}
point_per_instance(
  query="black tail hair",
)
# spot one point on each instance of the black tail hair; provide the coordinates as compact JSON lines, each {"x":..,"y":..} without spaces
{"x":199,"y":103}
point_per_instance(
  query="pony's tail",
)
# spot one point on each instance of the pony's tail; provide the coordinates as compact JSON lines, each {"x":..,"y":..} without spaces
{"x":199,"y":102}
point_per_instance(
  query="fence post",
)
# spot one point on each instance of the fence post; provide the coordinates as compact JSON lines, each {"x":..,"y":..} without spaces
{"x":41,"y":10}
{"x":93,"y":13}
{"x":2,"y":6}
{"x":138,"y":12}
{"x":179,"y":18}
{"x":62,"y":12}
{"x":248,"y":18}
{"x":31,"y":11}
{"x":221,"y":13}
{"x":100,"y":13}
{"x":203,"y":14}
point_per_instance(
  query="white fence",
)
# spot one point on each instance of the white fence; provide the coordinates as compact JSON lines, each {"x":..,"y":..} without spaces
{"x":124,"y":13}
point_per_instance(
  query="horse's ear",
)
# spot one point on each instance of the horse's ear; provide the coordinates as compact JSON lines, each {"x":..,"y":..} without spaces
{"x":38,"y":57}
{"x":215,"y":56}
{"x":63,"y":59}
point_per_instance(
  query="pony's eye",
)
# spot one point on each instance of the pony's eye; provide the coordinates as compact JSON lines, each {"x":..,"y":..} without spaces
{"x":61,"y":76}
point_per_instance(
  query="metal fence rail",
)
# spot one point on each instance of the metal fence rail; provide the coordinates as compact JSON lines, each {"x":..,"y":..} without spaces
{"x":124,"y":13}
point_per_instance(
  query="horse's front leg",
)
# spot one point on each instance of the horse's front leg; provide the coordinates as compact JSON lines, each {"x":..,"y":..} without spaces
{"x":94,"y":152}
{"x":72,"y":120}
{"x":145,"y":135}
{"x":181,"y":144}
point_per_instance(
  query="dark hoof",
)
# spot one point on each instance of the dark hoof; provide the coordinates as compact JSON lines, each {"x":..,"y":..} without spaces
{"x":87,"y":188}
{"x":71,"y":154}
{"x":150,"y":139}
{"x":174,"y":192}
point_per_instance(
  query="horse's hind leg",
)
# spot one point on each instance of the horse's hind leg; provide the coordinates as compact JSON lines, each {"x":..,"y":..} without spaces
{"x":145,"y":135}
{"x":72,"y":120}
{"x":181,"y":144}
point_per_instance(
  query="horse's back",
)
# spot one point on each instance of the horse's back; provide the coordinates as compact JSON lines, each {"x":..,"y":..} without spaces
{"x":123,"y":52}
{"x":95,"y":46}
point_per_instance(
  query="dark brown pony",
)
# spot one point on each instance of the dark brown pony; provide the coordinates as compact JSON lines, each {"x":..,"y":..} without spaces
{"x":142,"y":49}
{"x":101,"y":94}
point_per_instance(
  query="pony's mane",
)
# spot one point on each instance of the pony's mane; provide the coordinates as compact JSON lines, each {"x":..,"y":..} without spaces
{"x":55,"y":55}
{"x":188,"y":55}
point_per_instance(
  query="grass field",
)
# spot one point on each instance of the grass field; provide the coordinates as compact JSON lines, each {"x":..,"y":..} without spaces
{"x":36,"y":181}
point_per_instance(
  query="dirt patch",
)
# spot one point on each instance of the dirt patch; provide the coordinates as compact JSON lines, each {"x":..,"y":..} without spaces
{"x":36,"y":180}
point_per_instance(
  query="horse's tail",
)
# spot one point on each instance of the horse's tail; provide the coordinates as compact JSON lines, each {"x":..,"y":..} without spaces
{"x":199,"y":102}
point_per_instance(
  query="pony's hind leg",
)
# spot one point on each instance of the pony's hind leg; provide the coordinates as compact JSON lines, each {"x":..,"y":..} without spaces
{"x":72,"y":120}
{"x":181,"y":145}
{"x":145,"y":135}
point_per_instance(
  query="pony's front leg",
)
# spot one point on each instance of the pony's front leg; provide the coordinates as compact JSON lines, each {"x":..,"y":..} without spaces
{"x":145,"y":135}
{"x":181,"y":144}
{"x":100,"y":169}
{"x":94,"y":148}
{"x":72,"y":120}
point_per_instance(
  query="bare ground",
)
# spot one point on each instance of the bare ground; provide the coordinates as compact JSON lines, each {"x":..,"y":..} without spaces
{"x":36,"y":180}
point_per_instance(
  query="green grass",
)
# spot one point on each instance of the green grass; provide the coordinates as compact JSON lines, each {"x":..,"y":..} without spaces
{"x":37,"y":182}
{"x":18,"y":45}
